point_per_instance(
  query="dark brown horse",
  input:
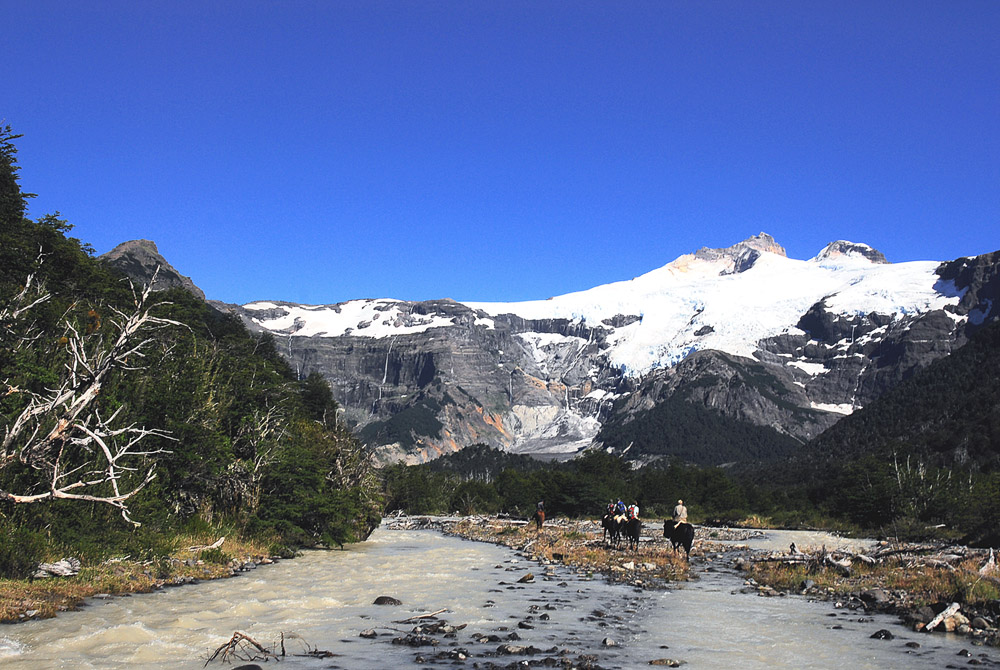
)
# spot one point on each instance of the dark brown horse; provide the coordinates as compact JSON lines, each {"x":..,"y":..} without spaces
{"x":632,"y":529}
{"x":612,"y":529}
{"x":539,"y":518}
{"x":680,"y":536}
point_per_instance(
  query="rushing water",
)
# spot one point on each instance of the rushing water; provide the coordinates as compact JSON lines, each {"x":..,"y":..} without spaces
{"x":326,"y":598}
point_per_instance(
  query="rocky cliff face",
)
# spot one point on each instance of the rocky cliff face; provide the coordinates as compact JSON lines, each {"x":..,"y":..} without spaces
{"x":509,"y":382}
{"x":140,"y":259}
{"x":744,"y":332}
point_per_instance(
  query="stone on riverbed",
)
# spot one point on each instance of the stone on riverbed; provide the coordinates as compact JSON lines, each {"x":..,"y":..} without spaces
{"x":387,"y":600}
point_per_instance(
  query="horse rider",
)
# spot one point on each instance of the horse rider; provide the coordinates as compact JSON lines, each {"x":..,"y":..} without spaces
{"x":621,"y":511}
{"x":633,"y":510}
{"x":680,"y":513}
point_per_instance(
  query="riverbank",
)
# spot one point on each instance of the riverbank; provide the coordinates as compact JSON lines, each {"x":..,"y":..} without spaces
{"x":198,"y":560}
{"x":929,"y":587}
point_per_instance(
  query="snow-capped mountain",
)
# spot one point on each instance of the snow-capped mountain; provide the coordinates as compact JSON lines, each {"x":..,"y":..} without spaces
{"x":785,"y":345}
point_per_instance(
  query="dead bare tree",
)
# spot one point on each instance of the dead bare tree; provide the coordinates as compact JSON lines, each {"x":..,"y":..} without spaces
{"x":61,"y":431}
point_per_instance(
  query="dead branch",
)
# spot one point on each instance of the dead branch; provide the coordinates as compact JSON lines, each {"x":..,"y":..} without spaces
{"x":242,"y":647}
{"x":422,"y":616}
{"x":64,"y":425}
{"x":214,"y":545}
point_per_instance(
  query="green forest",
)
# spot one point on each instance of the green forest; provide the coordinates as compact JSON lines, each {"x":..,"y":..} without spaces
{"x":130,"y":416}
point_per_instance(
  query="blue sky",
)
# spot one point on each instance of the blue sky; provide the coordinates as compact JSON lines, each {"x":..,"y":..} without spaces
{"x":486,"y":150}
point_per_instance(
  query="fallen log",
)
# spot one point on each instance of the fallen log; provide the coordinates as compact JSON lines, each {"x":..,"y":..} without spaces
{"x":951,"y":610}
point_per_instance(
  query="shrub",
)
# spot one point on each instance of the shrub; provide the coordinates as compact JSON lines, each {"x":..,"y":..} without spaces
{"x":21,"y":550}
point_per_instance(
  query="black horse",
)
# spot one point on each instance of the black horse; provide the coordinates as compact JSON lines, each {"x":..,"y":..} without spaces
{"x":612,"y":529}
{"x":632,"y":529}
{"x":681,"y":535}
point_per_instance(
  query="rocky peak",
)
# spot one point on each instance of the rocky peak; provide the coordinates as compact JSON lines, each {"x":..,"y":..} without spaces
{"x":139,"y":259}
{"x":843,"y":248}
{"x":743,"y":254}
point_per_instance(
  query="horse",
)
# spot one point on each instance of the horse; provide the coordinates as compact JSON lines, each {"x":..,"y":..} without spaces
{"x":681,"y":535}
{"x":632,"y":529}
{"x":613,"y":524}
{"x":539,"y":519}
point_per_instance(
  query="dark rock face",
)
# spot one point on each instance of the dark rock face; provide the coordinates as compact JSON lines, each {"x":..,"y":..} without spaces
{"x":139,"y":259}
{"x":511,"y":383}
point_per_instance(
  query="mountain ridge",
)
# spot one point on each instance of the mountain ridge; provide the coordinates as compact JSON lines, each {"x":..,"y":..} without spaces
{"x":798,"y":345}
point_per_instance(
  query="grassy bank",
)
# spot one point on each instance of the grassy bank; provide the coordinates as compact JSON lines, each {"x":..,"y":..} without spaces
{"x":579,"y":544}
{"x":190,"y":561}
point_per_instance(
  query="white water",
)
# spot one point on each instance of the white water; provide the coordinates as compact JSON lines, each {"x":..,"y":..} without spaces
{"x":326,"y":598}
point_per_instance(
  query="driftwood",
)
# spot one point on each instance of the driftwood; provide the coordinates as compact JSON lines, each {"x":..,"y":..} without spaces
{"x":948,"y":611}
{"x":214,"y":545}
{"x":940,"y":556}
{"x":244,"y":648}
{"x":422,"y":616}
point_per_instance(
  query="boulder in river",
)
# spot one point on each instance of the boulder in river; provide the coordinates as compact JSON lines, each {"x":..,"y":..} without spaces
{"x":387,"y":600}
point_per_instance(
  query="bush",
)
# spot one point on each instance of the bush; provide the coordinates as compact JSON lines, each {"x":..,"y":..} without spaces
{"x":21,"y":550}
{"x":215,"y":555}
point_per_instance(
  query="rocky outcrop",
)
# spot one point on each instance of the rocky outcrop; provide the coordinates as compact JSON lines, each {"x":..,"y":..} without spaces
{"x":140,"y":259}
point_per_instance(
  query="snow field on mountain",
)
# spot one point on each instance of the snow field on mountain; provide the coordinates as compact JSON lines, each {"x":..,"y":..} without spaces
{"x":694,"y":304}
{"x":688,"y":305}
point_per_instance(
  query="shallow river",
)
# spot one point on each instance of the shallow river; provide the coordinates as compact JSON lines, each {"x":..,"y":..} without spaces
{"x":326,"y":598}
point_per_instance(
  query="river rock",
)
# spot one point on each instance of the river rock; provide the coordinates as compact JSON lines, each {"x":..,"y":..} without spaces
{"x":387,"y":600}
{"x":980,"y":623}
{"x":668,"y":662}
{"x":415,"y":641}
{"x":956,"y":623}
{"x":369,"y":634}
{"x":527,"y":579}
{"x":875,"y":597}
{"x":516,"y":650}
{"x":608,"y":642}
{"x":882,"y":635}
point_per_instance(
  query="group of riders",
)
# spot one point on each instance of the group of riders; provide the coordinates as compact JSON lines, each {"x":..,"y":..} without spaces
{"x":623,"y":513}
{"x":621,"y":519}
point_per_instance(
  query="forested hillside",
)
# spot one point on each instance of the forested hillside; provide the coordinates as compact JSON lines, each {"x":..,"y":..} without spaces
{"x":127,"y":415}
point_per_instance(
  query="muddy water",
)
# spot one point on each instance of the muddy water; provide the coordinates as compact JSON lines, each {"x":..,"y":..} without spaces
{"x":326,"y":598}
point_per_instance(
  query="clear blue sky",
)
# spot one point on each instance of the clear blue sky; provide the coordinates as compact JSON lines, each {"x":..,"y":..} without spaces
{"x":502,"y":150}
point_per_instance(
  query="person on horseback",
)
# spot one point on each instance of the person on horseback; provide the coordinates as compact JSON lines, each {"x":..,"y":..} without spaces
{"x":680,"y":513}
{"x":633,"y":510}
{"x":621,"y":513}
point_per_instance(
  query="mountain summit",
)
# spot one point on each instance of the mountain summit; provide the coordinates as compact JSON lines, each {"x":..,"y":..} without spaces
{"x":140,"y":259}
